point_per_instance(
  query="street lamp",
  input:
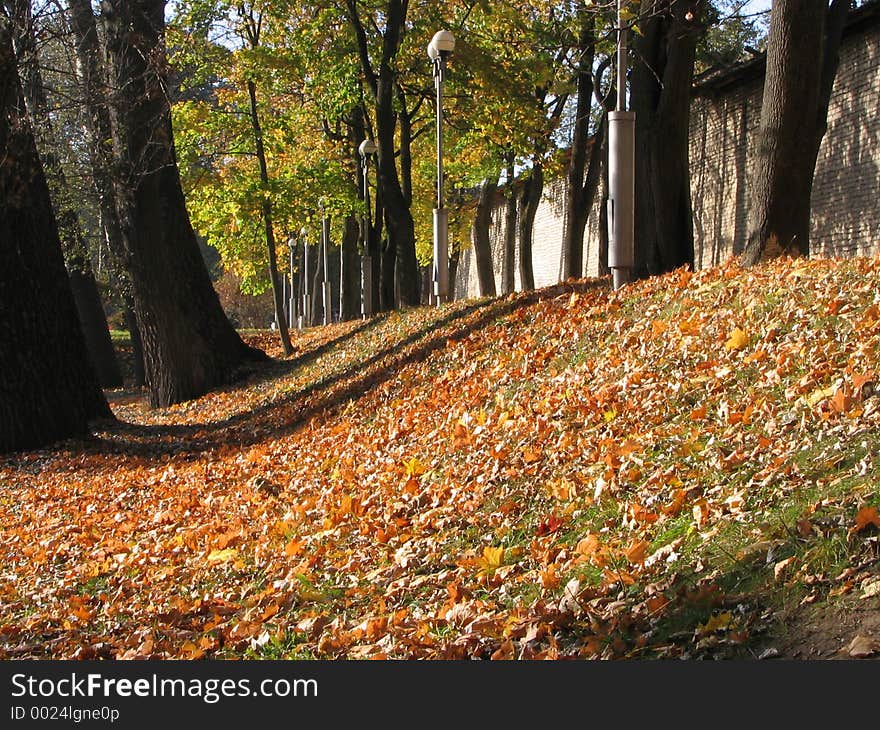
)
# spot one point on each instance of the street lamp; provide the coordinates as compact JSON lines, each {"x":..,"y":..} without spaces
{"x":325,"y":242}
{"x":621,"y":173}
{"x":366,"y":149}
{"x":291,"y":309}
{"x":307,"y":300}
{"x":439,"y":49}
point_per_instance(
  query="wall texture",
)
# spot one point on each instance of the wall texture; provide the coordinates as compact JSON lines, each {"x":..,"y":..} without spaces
{"x":725,"y":115}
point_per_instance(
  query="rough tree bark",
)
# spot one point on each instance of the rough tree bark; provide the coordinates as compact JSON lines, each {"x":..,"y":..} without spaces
{"x":802,"y":59}
{"x":480,"y":238}
{"x":585,"y":162}
{"x":48,"y":389}
{"x":82,"y":280}
{"x":508,"y":260}
{"x":660,"y":90}
{"x":93,"y":87}
{"x":189,"y":345}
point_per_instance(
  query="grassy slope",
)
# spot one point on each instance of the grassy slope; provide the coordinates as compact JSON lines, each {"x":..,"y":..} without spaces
{"x":683,"y":468}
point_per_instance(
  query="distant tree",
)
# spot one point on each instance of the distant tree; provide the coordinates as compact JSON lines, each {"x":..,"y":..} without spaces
{"x":802,"y":59}
{"x":48,"y":389}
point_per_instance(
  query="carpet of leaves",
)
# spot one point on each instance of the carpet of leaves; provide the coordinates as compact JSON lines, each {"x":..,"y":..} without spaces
{"x":537,"y":476}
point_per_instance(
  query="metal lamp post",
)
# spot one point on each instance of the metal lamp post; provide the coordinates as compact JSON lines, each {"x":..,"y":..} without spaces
{"x":621,"y":173}
{"x":325,"y":242}
{"x":291,"y":308}
{"x":366,"y":149}
{"x":439,"y":49}
{"x":307,"y":299}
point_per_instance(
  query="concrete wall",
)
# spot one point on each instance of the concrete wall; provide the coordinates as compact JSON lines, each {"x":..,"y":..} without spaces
{"x":725,"y":116}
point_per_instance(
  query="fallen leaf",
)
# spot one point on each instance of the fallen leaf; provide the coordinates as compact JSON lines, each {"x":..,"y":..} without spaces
{"x":737,"y":340}
{"x":862,"y":647}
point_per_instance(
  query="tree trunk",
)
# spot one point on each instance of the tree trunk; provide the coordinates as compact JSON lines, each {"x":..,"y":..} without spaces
{"x":508,"y":263}
{"x":349,"y":278}
{"x":138,"y":372}
{"x":93,"y":321}
{"x":387,"y":282}
{"x":268,"y":227}
{"x":802,"y":59}
{"x":189,"y":345}
{"x":48,"y":390}
{"x":585,"y":158}
{"x":530,"y":199}
{"x":481,"y":241}
{"x":73,"y":244}
{"x":383,"y":84}
{"x":660,"y":91}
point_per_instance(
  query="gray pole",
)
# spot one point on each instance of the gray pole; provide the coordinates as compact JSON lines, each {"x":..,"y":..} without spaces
{"x":439,"y":49}
{"x":621,"y":173}
{"x":366,"y":259}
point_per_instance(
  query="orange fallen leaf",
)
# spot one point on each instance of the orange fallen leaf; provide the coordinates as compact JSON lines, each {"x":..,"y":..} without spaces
{"x":636,"y":551}
{"x":866,"y":516}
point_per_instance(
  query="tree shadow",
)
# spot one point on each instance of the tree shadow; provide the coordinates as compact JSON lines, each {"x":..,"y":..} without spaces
{"x":285,"y":414}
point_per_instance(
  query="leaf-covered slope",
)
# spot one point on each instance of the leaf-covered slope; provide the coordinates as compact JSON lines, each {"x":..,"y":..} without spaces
{"x":660,"y":471}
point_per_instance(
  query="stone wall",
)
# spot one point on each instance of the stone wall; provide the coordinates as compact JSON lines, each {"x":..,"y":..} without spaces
{"x":725,"y":116}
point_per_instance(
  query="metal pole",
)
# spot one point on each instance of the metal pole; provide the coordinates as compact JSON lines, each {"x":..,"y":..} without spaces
{"x":366,"y":259}
{"x":441,"y":215}
{"x":621,"y":173}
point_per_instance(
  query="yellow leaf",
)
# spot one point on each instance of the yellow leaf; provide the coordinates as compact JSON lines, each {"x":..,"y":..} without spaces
{"x":492,"y":558}
{"x":415,"y":468}
{"x":719,"y":622}
{"x":737,"y":341}
{"x":819,"y":395}
{"x":222,"y":556}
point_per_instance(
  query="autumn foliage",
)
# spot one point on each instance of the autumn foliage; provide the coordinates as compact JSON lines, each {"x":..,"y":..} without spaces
{"x":567,"y":473}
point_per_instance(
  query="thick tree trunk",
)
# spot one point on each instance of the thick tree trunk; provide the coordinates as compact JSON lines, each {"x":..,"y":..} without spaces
{"x":387,"y":288}
{"x":82,"y":280}
{"x":480,"y":239}
{"x":189,"y":345}
{"x":660,"y":91}
{"x":349,"y":278}
{"x":48,"y":390}
{"x":530,"y":199}
{"x":802,"y":59}
{"x":508,"y":263}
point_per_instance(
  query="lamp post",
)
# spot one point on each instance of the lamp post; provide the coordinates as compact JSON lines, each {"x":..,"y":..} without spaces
{"x":307,"y":300}
{"x":291,"y":309}
{"x":621,"y":172}
{"x":366,"y":149}
{"x":439,"y":49}
{"x":325,"y":242}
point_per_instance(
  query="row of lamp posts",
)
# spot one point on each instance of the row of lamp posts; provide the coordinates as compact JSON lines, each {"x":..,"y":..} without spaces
{"x":621,"y":173}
